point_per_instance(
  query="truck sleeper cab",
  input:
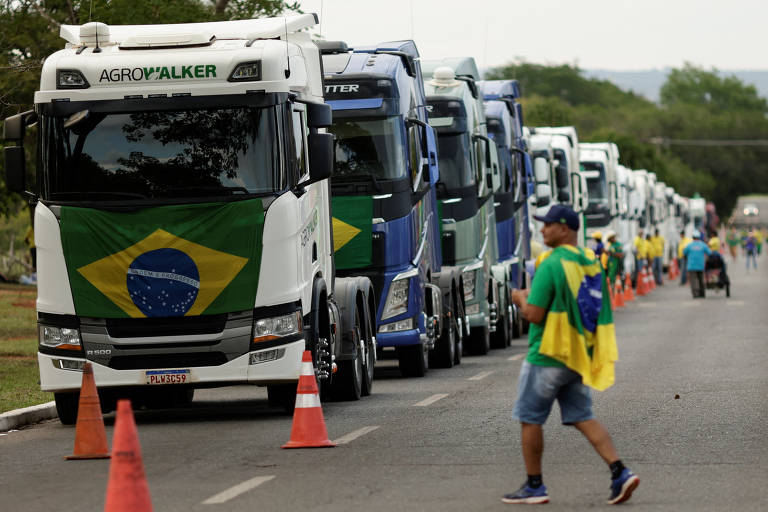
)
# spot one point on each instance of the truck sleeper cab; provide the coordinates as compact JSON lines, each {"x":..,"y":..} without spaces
{"x":386,"y":223}
{"x":467,"y":182}
{"x":182,"y":217}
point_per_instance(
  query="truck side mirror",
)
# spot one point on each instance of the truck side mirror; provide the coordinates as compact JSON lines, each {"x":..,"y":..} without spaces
{"x":319,"y":115}
{"x":561,"y":176}
{"x":15,"y":171}
{"x":563,"y":196}
{"x":541,"y":170}
{"x":15,"y":126}
{"x":320,"y":156}
{"x":543,"y":195}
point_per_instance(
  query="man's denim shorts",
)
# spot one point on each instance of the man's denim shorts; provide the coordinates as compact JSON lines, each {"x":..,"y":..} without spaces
{"x":539,"y":386}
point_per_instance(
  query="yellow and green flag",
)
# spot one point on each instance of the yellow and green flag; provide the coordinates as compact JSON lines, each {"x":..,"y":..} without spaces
{"x":352,"y":231}
{"x":163,"y":261}
{"x":579,"y":330}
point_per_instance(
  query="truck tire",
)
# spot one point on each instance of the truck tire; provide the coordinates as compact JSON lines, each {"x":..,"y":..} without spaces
{"x":444,"y":353}
{"x":479,"y":341}
{"x":369,"y":359}
{"x":282,"y":396}
{"x":413,"y":360}
{"x":500,"y":338}
{"x":66,"y":407}
{"x":517,"y":323}
{"x":348,"y":381}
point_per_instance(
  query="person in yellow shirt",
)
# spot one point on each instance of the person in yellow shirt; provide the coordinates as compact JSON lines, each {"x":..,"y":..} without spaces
{"x":657,"y":253}
{"x":681,"y":245}
{"x":641,"y":254}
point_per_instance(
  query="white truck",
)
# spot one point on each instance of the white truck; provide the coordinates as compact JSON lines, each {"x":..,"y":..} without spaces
{"x":182,"y":216}
{"x":570,"y":186}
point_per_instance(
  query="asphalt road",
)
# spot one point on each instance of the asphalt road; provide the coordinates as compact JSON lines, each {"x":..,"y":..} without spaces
{"x":446,"y":442}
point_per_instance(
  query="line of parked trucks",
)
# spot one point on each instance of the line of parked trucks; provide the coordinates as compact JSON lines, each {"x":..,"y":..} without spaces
{"x":212,"y":199}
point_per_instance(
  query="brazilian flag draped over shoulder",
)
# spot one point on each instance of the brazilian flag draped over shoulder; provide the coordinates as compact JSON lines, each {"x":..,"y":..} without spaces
{"x":352,"y":232}
{"x":579,"y":330}
{"x":164,"y":261}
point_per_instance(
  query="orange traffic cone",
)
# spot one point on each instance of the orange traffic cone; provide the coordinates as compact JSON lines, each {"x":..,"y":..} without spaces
{"x":651,"y":280}
{"x":641,"y":282}
{"x":628,"y":295}
{"x":308,"y":424}
{"x":90,"y":435}
{"x":619,"y":293}
{"x":127,"y":489}
{"x":674,"y":270}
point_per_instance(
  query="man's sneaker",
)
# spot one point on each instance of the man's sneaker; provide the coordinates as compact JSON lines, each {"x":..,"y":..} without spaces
{"x":623,"y":487}
{"x":527,"y":495}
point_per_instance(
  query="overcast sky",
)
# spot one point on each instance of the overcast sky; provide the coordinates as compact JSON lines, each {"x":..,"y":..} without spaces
{"x":594,"y":34}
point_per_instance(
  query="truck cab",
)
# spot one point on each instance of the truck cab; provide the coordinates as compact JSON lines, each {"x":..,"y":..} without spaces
{"x":386,"y":223}
{"x":182,"y":215}
{"x":468,"y":181}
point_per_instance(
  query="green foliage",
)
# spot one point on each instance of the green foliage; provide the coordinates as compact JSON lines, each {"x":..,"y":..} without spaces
{"x":695,"y":105}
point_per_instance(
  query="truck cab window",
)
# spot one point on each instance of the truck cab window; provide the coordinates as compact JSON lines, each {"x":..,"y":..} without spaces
{"x":300,"y":144}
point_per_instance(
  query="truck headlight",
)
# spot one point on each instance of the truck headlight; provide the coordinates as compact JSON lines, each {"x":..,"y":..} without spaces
{"x":267,"y":329}
{"x":400,"y":325}
{"x":60,"y":337}
{"x":468,"y":277}
{"x":397,"y":298}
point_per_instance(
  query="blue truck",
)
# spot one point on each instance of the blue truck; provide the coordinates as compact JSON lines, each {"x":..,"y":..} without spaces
{"x":384,"y":204}
{"x":504,"y":120}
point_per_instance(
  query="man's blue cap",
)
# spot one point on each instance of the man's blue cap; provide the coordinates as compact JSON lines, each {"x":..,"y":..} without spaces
{"x":560,"y":214}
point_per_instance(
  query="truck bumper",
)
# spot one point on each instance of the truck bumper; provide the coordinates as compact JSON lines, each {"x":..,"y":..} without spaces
{"x":285,"y":368}
{"x":399,"y":338}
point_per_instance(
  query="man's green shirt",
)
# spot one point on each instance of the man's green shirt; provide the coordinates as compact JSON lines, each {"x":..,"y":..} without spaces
{"x":542,"y":294}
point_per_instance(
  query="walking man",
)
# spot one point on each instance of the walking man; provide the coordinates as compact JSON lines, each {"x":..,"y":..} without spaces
{"x":569,"y":310}
{"x":682,"y":244}
{"x":696,"y":254}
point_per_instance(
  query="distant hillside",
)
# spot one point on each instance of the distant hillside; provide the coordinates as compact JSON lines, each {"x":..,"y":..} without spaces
{"x":648,"y":83}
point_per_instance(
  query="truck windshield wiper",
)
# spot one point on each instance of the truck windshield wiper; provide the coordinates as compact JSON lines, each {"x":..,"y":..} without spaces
{"x":360,"y":177}
{"x":221,"y":190}
{"x":90,"y":193}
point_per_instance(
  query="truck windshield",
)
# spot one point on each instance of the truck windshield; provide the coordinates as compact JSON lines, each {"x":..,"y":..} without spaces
{"x":453,"y":155}
{"x":160,"y":154}
{"x":373,"y":147}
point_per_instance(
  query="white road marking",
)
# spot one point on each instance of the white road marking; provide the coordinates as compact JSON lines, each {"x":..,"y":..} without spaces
{"x":430,"y":400}
{"x":480,"y":376}
{"x":516,"y":357}
{"x":735,"y":302}
{"x":237,"y":490}
{"x":355,"y":434}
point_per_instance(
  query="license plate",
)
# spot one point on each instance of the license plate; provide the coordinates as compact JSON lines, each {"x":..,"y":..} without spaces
{"x":168,"y":376}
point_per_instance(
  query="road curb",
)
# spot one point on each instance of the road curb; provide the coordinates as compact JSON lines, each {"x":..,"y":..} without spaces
{"x":26,"y":416}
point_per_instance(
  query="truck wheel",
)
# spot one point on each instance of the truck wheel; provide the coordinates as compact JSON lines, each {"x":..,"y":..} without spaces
{"x":66,"y":407}
{"x":348,"y":382}
{"x":517,"y":323}
{"x":500,"y":338}
{"x":444,"y":353}
{"x":369,"y":359}
{"x":413,"y":360}
{"x":479,"y":340}
{"x":282,"y":396}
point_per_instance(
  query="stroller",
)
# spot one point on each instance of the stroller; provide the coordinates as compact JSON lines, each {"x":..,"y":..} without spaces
{"x":715,"y":277}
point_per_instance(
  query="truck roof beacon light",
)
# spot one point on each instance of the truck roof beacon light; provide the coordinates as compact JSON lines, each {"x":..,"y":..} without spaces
{"x":444,"y":76}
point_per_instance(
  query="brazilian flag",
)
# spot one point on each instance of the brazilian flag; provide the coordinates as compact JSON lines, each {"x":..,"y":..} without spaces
{"x":352,"y":233}
{"x":579,"y":330}
{"x":163,"y":261}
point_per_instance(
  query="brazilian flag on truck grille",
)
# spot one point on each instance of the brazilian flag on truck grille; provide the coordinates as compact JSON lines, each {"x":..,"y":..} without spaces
{"x":163,"y":261}
{"x":352,"y":233}
{"x":579,"y":330}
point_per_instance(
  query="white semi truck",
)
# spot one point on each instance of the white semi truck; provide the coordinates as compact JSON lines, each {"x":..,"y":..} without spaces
{"x":182,"y":216}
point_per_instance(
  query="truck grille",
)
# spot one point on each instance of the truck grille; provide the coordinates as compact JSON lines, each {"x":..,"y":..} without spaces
{"x":170,"y":326}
